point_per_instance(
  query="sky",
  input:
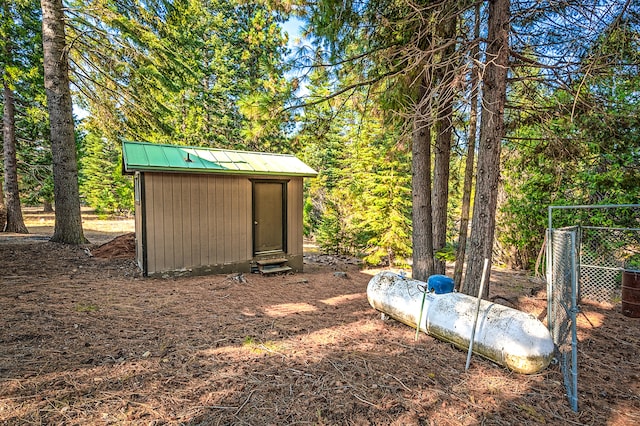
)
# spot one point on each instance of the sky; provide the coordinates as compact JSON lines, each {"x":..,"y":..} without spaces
{"x":293,"y":27}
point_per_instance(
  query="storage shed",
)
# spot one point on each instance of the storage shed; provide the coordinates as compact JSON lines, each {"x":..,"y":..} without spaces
{"x":207,"y":211}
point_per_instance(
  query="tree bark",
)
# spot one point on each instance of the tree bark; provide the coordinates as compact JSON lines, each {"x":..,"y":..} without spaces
{"x":13,"y":211}
{"x":491,"y":134}
{"x":3,"y":209}
{"x":421,"y":191}
{"x":15,"y":221}
{"x":68,"y":222}
{"x":442,"y":155}
{"x":469,"y":163}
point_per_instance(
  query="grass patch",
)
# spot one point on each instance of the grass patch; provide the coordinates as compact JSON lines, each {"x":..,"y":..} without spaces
{"x":257,"y":347}
{"x":80,"y":307}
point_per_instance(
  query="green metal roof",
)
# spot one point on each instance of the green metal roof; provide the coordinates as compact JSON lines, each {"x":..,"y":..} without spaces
{"x":147,"y":157}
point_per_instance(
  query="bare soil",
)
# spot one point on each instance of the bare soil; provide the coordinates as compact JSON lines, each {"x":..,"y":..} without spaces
{"x":84,"y":339}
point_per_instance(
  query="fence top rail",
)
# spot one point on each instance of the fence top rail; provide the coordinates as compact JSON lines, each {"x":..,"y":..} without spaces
{"x":595,"y":206}
{"x":610,"y":228}
{"x":584,"y":207}
{"x":567,"y":228}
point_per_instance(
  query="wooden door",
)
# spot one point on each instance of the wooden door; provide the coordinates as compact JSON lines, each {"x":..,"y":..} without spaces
{"x":269,"y":217}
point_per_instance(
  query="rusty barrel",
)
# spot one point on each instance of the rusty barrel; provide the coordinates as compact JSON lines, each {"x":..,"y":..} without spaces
{"x":631,"y":293}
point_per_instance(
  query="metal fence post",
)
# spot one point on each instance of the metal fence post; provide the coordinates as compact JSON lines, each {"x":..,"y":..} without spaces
{"x":573,"y":397}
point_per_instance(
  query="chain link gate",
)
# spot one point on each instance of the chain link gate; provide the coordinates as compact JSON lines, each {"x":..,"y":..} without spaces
{"x":603,"y":251}
{"x":584,"y":262}
{"x":562,"y":289}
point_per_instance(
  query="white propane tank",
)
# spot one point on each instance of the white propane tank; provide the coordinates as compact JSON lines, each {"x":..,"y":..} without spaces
{"x":506,"y":336}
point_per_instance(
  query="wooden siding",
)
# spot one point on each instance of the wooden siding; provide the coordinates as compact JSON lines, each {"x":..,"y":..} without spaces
{"x":197,"y":220}
{"x":294,"y":217}
{"x":138,"y":219}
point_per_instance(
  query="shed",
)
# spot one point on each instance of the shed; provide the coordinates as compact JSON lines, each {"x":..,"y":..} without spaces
{"x":207,"y":211}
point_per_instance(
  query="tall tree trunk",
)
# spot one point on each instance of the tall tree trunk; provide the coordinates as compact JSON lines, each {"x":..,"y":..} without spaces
{"x":68,"y":222}
{"x":15,"y":222}
{"x":421,"y":190}
{"x":13,"y":211}
{"x":3,"y":209}
{"x":444,"y":133}
{"x":471,"y":153}
{"x":491,"y":134}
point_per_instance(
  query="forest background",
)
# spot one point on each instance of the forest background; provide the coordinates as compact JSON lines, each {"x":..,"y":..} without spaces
{"x":354,"y":96}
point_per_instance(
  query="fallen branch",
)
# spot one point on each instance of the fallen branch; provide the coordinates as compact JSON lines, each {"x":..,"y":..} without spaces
{"x":244,"y":403}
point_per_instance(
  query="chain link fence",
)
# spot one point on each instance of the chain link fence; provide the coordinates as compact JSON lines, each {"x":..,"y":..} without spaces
{"x":562,"y":286}
{"x":586,"y":252}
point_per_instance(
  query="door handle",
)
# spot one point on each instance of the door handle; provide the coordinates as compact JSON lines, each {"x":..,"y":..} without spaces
{"x":255,"y":222}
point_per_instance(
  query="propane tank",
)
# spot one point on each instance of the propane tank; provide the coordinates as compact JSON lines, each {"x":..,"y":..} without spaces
{"x":506,"y":336}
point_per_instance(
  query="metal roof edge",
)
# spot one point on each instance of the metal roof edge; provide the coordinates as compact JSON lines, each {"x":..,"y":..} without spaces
{"x":219,"y":172}
{"x":131,"y":169}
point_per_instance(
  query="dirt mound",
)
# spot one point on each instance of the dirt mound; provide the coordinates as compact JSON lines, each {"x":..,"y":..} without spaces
{"x":122,"y":247}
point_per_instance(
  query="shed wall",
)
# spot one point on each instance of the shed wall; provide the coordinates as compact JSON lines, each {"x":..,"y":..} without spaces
{"x":204,"y":222}
{"x":139,"y":233}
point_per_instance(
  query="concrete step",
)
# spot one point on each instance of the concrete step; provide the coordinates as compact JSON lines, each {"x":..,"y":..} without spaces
{"x":267,"y":262}
{"x":274,"y":269}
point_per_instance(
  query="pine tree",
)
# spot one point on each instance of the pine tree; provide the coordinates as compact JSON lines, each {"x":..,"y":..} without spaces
{"x":409,"y":52}
{"x":573,"y":144}
{"x":68,"y":222}
{"x":362,"y":193}
{"x":491,"y":133}
{"x":17,"y":59}
{"x":179,"y":72}
{"x":183,"y":72}
{"x":104,"y":186}
{"x":470,"y":159}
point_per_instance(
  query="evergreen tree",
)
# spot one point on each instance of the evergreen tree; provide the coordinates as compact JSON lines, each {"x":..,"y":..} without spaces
{"x":362,"y":193}
{"x":183,"y":71}
{"x":491,"y":133}
{"x":320,"y":135}
{"x":381,"y":186}
{"x":573,"y":145}
{"x":68,"y":223}
{"x":18,"y":58}
{"x":31,"y":118}
{"x":104,"y":187}
{"x":408,"y":50}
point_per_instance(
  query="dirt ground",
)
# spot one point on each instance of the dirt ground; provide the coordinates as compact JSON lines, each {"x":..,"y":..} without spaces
{"x":84,"y":339}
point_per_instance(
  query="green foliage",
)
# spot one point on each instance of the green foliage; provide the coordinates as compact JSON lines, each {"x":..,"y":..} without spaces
{"x":212,"y":73}
{"x":632,"y":263}
{"x":184,"y":71}
{"x":104,"y":187}
{"x":336,"y":233}
{"x":380,"y":181}
{"x":360,"y":202}
{"x":180,"y":72}
{"x":447,"y":253}
{"x":310,"y":217}
{"x":21,"y":63}
{"x":36,"y":176}
{"x":576,"y":147}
